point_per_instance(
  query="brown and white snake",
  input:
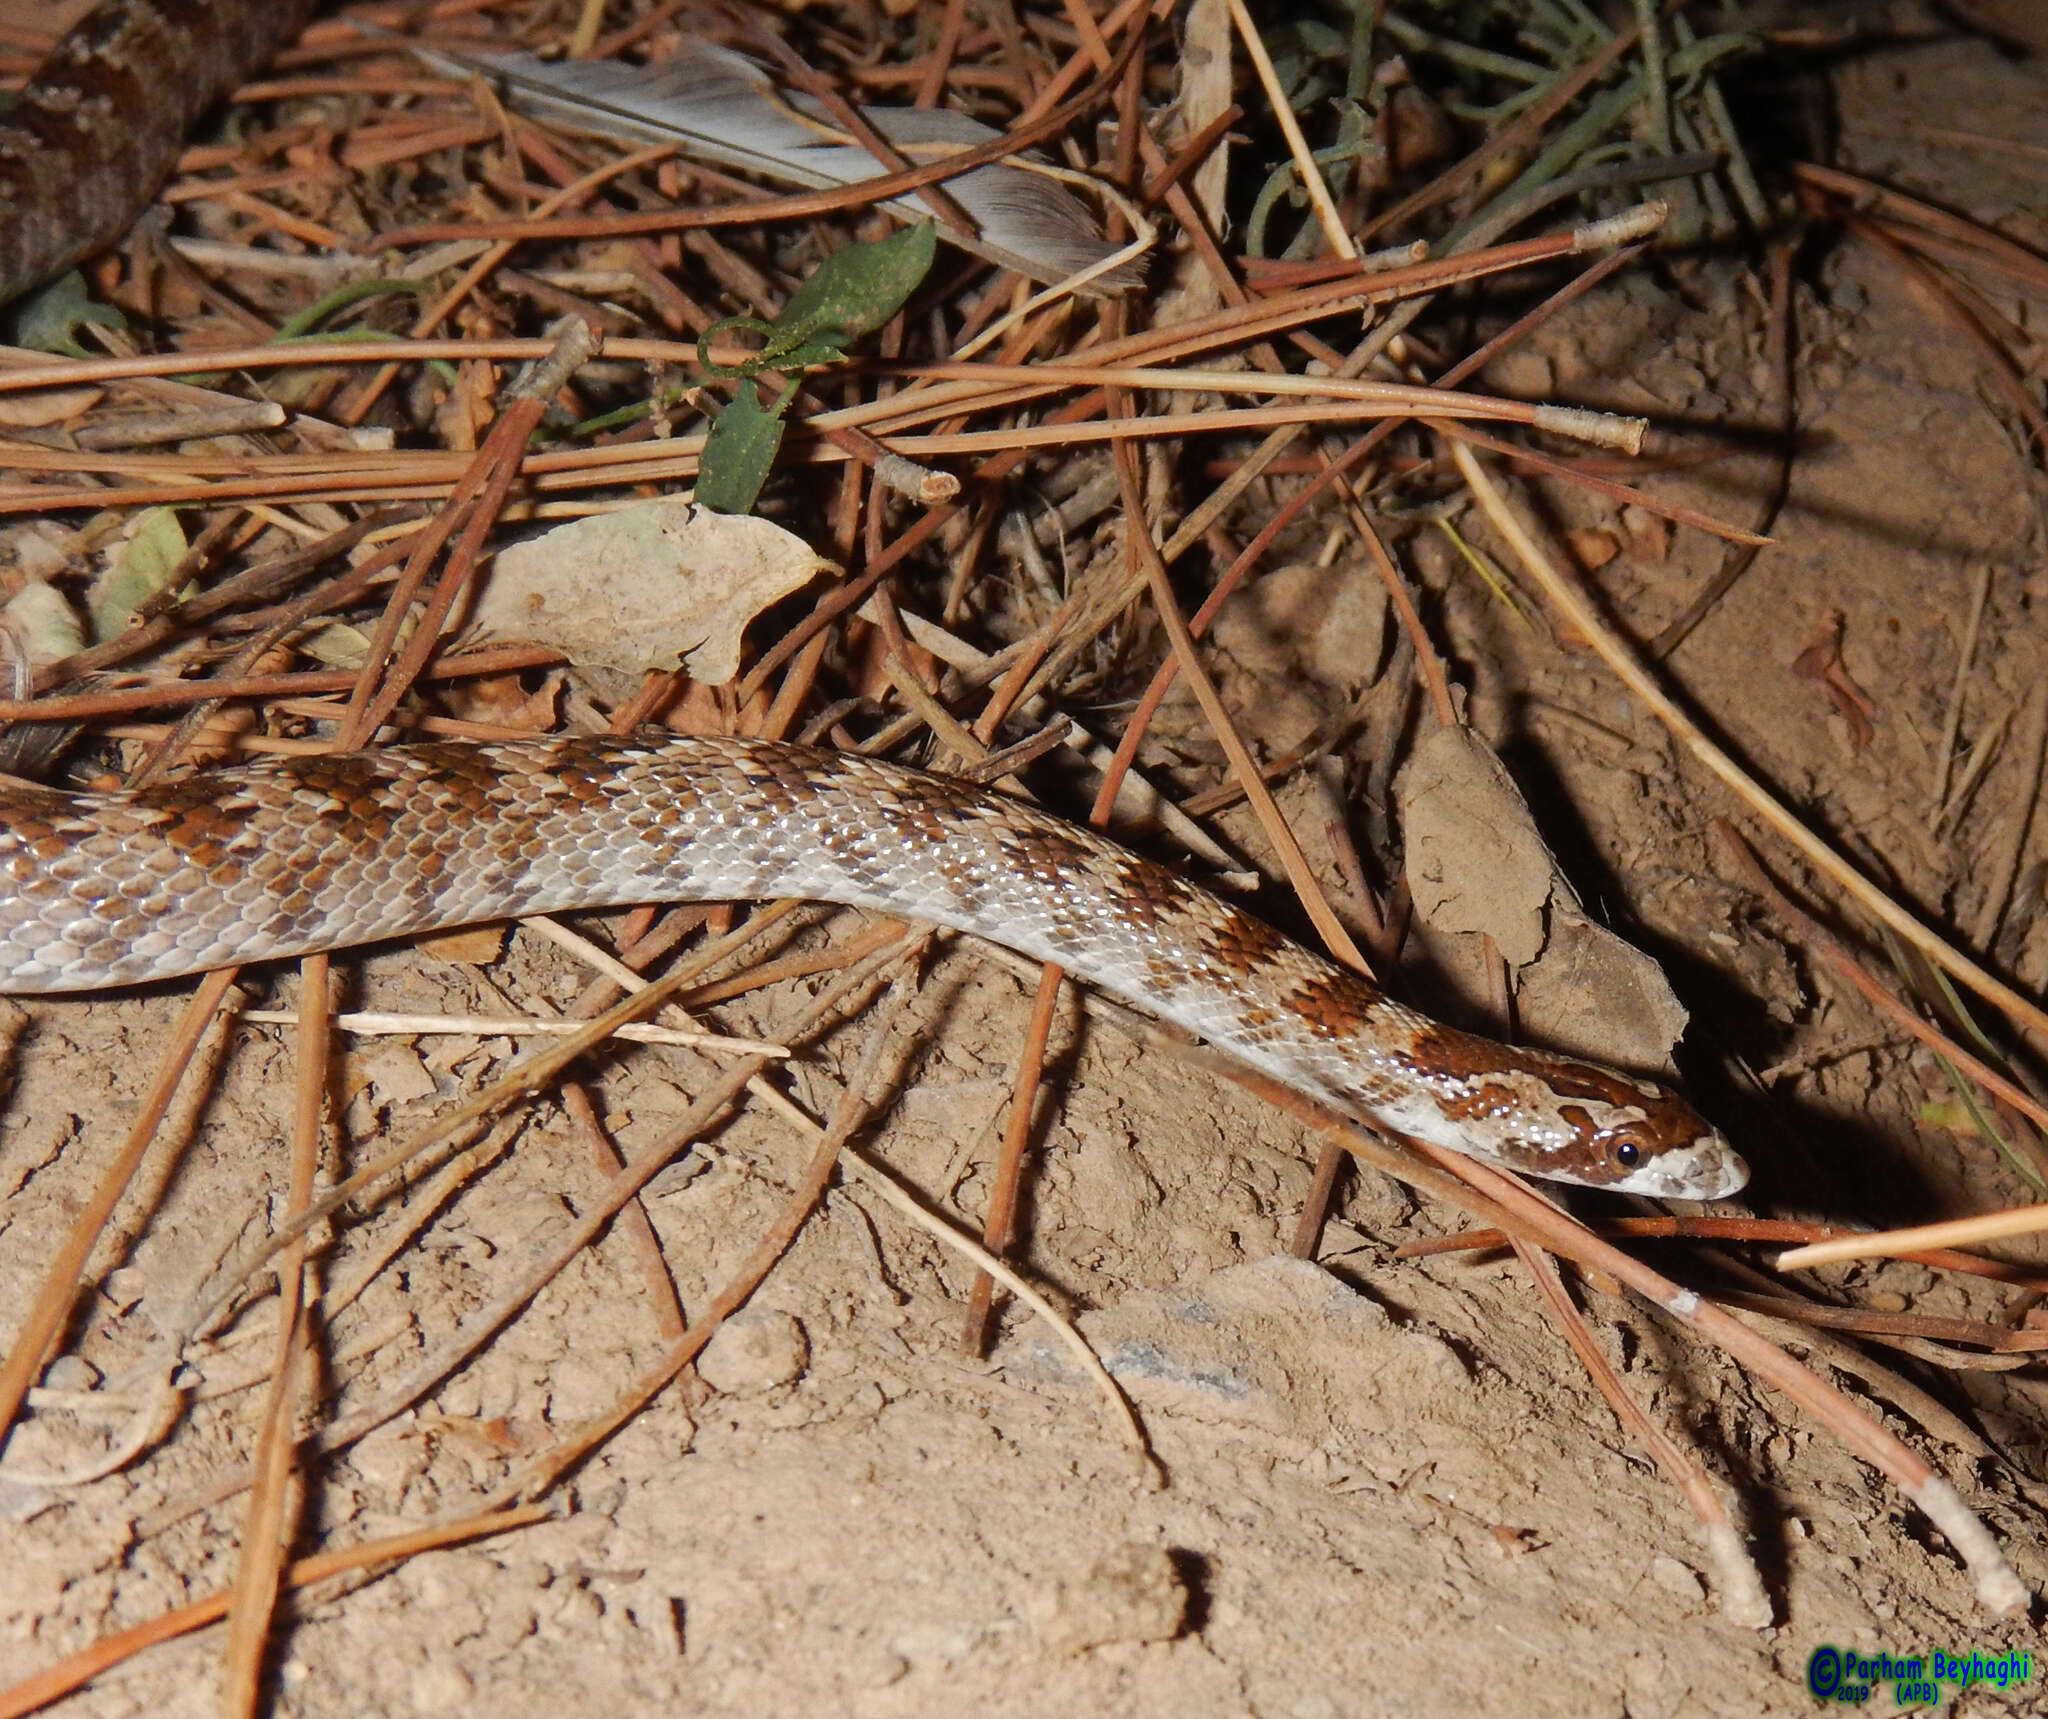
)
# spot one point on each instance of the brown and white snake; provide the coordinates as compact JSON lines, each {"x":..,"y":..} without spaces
{"x":280,"y":859}
{"x":284,"y":857}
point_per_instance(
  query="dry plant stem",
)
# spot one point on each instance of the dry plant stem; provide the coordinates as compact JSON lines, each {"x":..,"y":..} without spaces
{"x":634,"y":1224}
{"x":72,"y":1673}
{"x":1334,"y":471}
{"x":1490,"y":1197}
{"x":52,"y":1306}
{"x":1851,"y":1358}
{"x":830,"y":1149}
{"x":1128,"y":13}
{"x":205,"y":548}
{"x":1997,"y":1587}
{"x":479,"y":1327}
{"x":934,"y":197}
{"x":384,"y":683}
{"x":1949,"y":306}
{"x":1385,"y":933}
{"x":546,"y":1470}
{"x":1315,"y":1204}
{"x":795,"y":692}
{"x":1568,"y":599}
{"x":426,"y":546}
{"x":267,"y":1524}
{"x":1991,"y":249}
{"x":1202,"y":334}
{"x":2002,"y":862}
{"x":1012,"y":383}
{"x":1966,"y":657}
{"x":1513,"y":136}
{"x":201,"y":606}
{"x":686,"y":1344}
{"x":1608,"y":431}
{"x":1880,"y":997}
{"x":939,"y":62}
{"x":855,"y":949}
{"x":957,"y":738}
{"x":1743,"y":1230}
{"x":1234,"y":326}
{"x":989,"y":1265}
{"x":358,"y":407}
{"x":853,"y":1108}
{"x":531,"y":1075}
{"x":190,"y":735}
{"x":1911,"y":1330}
{"x":856,"y":591}
{"x":1742,"y":1590}
{"x":1625,"y":494}
{"x":1290,"y":128}
{"x":370,"y":1023}
{"x":1427,"y":663}
{"x":428,"y":1198}
{"x":86,"y":707}
{"x":482,"y":496}
{"x":1911,"y":1243}
{"x":999,"y":1223}
{"x":1138,"y":538}
{"x":553,"y":477}
{"x":1969,"y":253}
{"x":1187,"y":158}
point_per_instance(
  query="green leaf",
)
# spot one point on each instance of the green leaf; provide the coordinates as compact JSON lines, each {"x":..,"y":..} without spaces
{"x":141,"y":568}
{"x":738,"y":453}
{"x":851,"y":293}
{"x":48,"y":321}
{"x":857,"y":289}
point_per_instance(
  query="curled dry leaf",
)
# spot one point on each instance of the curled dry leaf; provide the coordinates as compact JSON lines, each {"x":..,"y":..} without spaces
{"x":1477,"y":865}
{"x":1820,"y":658}
{"x":647,"y":587}
{"x":43,"y":627}
{"x":41,"y":410}
{"x":139,"y":568}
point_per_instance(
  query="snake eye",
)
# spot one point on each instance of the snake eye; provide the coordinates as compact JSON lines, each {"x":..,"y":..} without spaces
{"x":1628,"y":1154}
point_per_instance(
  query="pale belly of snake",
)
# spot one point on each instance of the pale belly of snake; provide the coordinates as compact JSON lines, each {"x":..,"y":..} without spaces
{"x":282,"y":858}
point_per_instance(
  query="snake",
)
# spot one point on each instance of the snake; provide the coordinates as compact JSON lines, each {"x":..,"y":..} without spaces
{"x":282,"y":858}
{"x":287,"y":856}
{"x":97,"y":129}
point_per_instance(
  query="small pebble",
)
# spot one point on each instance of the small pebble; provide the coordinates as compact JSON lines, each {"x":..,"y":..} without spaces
{"x":757,"y":1349}
{"x":1131,"y":1593}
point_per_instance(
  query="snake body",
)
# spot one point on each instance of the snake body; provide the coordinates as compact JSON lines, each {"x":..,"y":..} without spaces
{"x":285,"y":857}
{"x":99,"y":126}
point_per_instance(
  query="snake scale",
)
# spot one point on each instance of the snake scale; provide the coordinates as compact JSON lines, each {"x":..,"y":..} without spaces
{"x":282,"y":858}
{"x":287,"y":856}
{"x":98,"y":128}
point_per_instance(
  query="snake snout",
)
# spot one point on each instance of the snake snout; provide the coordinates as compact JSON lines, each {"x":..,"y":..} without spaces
{"x":1706,"y":1168}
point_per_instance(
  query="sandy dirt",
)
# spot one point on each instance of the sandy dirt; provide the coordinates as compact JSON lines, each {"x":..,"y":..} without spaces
{"x":1391,"y":1489}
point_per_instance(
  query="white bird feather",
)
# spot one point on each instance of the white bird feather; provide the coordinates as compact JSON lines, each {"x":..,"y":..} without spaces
{"x":718,"y":106}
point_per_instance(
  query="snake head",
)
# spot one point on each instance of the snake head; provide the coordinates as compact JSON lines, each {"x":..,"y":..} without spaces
{"x":1566,"y":1119}
{"x":1700,"y":1165}
{"x":1637,"y":1136}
